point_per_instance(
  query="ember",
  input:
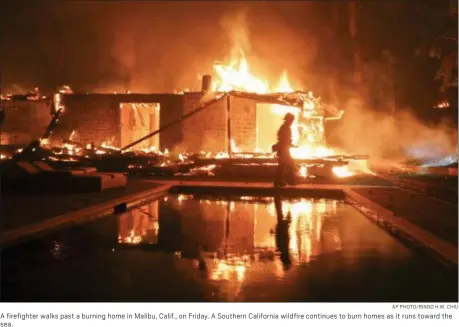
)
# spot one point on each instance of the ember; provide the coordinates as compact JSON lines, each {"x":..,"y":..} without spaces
{"x":443,"y":105}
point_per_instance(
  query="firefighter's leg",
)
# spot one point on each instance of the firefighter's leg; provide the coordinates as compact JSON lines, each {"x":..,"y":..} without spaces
{"x":280,"y":172}
{"x":291,"y":171}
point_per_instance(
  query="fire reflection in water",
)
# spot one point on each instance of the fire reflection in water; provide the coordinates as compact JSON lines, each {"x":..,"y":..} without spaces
{"x":285,"y":232}
{"x":235,"y":236}
{"x":139,"y":225}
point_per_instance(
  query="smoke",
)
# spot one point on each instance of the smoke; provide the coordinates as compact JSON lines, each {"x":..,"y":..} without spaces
{"x":235,"y":27}
{"x":271,"y":43}
{"x":152,"y":46}
{"x":373,"y":125}
{"x":15,"y":89}
{"x":395,"y":137}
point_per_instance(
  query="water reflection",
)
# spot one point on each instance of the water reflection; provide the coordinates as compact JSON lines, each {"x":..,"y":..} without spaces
{"x":228,"y":236}
{"x":140,"y":225}
{"x":283,"y":233}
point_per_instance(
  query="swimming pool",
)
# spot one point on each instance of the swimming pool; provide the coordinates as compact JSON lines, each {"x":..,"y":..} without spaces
{"x":201,"y":247}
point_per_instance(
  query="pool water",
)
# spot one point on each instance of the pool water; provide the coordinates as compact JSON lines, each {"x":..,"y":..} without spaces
{"x":200,"y":248}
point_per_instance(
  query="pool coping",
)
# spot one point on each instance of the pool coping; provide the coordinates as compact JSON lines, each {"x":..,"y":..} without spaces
{"x":373,"y":211}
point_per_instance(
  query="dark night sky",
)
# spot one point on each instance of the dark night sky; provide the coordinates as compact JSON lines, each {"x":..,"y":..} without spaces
{"x":155,"y":46}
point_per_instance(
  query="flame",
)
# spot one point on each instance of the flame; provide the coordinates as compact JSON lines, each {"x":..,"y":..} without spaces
{"x":310,"y":141}
{"x":342,"y":171}
{"x":234,"y":147}
{"x":237,"y":76}
{"x":308,"y":135}
{"x":284,"y":84}
{"x":65,"y":89}
{"x":303,"y":171}
{"x":59,"y":106}
{"x":72,"y":136}
{"x":44,"y":142}
{"x":108,"y":145}
{"x":443,"y":105}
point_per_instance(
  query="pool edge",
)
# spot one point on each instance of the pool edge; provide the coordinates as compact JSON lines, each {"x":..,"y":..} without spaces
{"x":403,"y":228}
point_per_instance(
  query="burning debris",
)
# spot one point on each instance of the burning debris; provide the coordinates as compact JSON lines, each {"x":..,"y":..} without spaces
{"x":35,"y":94}
{"x":151,"y":161}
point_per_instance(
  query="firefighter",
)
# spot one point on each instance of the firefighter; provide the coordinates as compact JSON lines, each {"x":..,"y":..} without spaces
{"x":286,"y":168}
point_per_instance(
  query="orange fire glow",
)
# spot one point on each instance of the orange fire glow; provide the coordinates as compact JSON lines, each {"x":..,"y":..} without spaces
{"x":443,"y":105}
{"x":307,"y":132}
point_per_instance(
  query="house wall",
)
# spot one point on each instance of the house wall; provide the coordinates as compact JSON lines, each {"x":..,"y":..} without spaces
{"x":244,"y":123}
{"x":138,"y":120}
{"x":207,"y":130}
{"x":96,"y":117}
{"x":93,"y":118}
{"x":25,"y":120}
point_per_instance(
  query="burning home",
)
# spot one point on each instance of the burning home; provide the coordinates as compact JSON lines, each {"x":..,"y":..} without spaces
{"x":230,"y":123}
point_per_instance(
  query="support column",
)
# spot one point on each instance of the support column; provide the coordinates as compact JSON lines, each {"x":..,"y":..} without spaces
{"x":206,"y":84}
{"x":228,"y":124}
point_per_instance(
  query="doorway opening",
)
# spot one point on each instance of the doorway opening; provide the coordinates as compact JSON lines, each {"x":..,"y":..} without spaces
{"x":269,"y":118}
{"x":138,"y":120}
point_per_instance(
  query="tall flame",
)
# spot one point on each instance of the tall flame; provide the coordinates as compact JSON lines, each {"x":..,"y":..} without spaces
{"x":237,"y":76}
{"x":307,"y":130}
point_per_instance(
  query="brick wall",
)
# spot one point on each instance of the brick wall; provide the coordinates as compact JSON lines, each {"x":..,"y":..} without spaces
{"x":171,"y":109}
{"x":24,"y":121}
{"x":207,"y":130}
{"x":244,"y":123}
{"x":96,"y":117}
